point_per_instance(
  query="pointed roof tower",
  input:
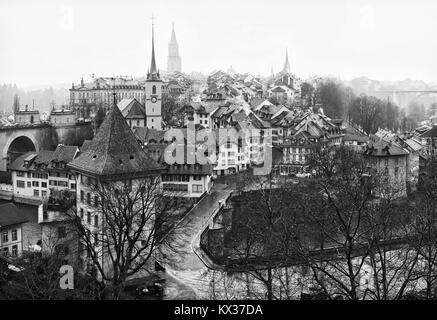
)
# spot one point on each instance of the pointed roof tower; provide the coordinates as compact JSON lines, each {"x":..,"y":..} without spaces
{"x":286,"y":68}
{"x":114,"y":152}
{"x":153,"y":74}
{"x":173,"y":36}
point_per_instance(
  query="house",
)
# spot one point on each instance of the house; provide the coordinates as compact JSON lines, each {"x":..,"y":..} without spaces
{"x":389,"y":162}
{"x":34,"y":174}
{"x":430,"y":138}
{"x":231,"y":151}
{"x":11,"y":229}
{"x":62,"y":117}
{"x":134,"y":113}
{"x":179,"y":180}
{"x":282,"y":94}
{"x":200,"y":114}
{"x":27,"y":116}
{"x":296,"y":150}
{"x":57,"y":230}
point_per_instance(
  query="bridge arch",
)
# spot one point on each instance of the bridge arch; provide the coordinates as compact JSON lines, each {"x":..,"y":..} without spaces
{"x":16,"y":145}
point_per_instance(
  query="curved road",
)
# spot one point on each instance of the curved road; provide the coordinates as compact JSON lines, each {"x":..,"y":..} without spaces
{"x":185,"y":266}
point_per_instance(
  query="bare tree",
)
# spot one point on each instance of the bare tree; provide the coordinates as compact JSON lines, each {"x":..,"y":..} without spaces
{"x":136,"y":222}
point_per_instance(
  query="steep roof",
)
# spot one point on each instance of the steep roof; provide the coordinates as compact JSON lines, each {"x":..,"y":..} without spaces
{"x":123,"y":105}
{"x":148,"y":134}
{"x":114,"y":151}
{"x":136,"y":111}
{"x":18,"y":164}
{"x":430,"y":133}
{"x":383,"y":148}
{"x":10,"y":215}
{"x":85,"y":145}
{"x":64,"y":153}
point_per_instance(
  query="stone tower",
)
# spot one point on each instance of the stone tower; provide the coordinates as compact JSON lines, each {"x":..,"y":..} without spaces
{"x":153,"y":93}
{"x":174,"y":60}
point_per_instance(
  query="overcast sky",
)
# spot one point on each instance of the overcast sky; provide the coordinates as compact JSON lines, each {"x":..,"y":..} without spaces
{"x":49,"y":42}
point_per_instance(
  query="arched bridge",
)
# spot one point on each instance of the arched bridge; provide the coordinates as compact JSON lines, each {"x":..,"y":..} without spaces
{"x":403,"y":98}
{"x":19,"y":139}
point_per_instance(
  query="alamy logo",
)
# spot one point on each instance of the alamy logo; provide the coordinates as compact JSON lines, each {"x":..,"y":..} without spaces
{"x":206,"y":146}
{"x":67,"y":279}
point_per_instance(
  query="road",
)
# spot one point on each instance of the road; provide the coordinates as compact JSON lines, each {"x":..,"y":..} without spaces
{"x":185,"y":266}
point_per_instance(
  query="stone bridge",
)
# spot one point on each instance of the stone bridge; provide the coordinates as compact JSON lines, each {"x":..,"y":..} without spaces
{"x":19,"y":139}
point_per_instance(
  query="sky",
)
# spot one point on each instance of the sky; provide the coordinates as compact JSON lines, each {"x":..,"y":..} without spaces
{"x":50,"y":42}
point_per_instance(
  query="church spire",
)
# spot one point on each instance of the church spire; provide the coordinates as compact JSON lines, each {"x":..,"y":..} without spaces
{"x":286,"y":68}
{"x":153,"y":74}
{"x":173,"y":36}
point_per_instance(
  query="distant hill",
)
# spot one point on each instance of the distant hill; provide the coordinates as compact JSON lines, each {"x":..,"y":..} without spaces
{"x":41,"y":98}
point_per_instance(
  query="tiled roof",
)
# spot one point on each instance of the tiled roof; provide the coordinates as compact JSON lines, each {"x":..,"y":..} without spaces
{"x":85,"y":145}
{"x":148,"y":134}
{"x":430,"y":133}
{"x":383,"y":148}
{"x":44,"y":157}
{"x":10,"y":215}
{"x":115,"y":152}
{"x":64,"y":153}
{"x":18,"y":164}
{"x":136,"y":111}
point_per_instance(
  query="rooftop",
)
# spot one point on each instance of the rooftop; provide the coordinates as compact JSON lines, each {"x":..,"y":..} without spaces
{"x":114,"y":151}
{"x":11,"y":215}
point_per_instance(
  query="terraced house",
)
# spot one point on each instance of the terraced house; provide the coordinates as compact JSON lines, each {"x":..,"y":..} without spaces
{"x":34,"y":174}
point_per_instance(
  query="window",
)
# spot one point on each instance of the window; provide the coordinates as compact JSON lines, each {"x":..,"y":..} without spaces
{"x":197,"y":188}
{"x":73,"y":186}
{"x":43,"y":193}
{"x":35,"y":184}
{"x":154,"y":90}
{"x":5,"y":236}
{"x":35,"y":192}
{"x":96,"y":239}
{"x":14,"y":235}
{"x":61,"y":232}
{"x":81,"y":213}
{"x":88,"y":198}
{"x":14,"y":251}
{"x":96,"y":220}
{"x":20,"y":184}
{"x":29,"y":175}
{"x":29,"y":184}
{"x":88,"y":217}
{"x":82,"y":195}
{"x":5,"y":252}
{"x":20,"y":174}
{"x":197,"y":177}
{"x":96,"y":201}
{"x":43,"y":184}
{"x":138,"y":123}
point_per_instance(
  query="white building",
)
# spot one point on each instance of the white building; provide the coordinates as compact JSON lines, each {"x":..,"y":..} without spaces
{"x":11,"y":230}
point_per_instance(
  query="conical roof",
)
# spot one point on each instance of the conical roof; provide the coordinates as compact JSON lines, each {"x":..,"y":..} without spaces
{"x":173,"y":36}
{"x":153,"y":74}
{"x":114,"y":152}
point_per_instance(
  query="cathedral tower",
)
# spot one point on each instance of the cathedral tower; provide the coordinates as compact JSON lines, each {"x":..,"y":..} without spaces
{"x":174,"y":60}
{"x":153,"y":93}
{"x":286,"y":68}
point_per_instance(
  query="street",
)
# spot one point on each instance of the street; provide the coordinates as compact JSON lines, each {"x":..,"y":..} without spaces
{"x":185,"y":266}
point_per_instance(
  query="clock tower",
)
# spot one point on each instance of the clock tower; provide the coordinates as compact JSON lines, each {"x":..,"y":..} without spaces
{"x":153,"y":93}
